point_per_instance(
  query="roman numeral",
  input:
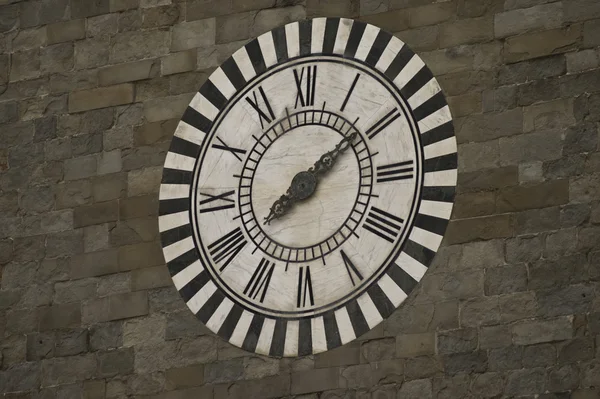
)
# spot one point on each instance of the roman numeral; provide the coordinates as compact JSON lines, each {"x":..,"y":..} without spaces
{"x":234,"y":151}
{"x":227,"y":247}
{"x":395,"y":171}
{"x":382,"y":123}
{"x":304,"y":287}
{"x":350,"y":268}
{"x":306,"y":95}
{"x":218,"y":198}
{"x":261,"y":113}
{"x":259,"y":283}
{"x":350,"y":92}
{"x":383,"y":224}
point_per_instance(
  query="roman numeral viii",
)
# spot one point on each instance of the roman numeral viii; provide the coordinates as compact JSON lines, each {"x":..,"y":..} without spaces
{"x":383,"y":224}
{"x":350,"y":268}
{"x":227,"y":247}
{"x":395,"y":171}
{"x":306,"y":92}
{"x":222,"y":199}
{"x":259,"y":283}
{"x":265,"y":114}
{"x":382,"y":123}
{"x":304,"y":287}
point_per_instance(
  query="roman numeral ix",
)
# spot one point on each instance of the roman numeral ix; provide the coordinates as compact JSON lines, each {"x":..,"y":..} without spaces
{"x":259,"y":283}
{"x":350,"y":268}
{"x":262,"y":115}
{"x":304,"y":287}
{"x":383,"y":224}
{"x":234,"y":151}
{"x":218,"y":198}
{"x":227,"y":247}
{"x":382,"y":123}
{"x":306,"y":94}
{"x":395,"y":171}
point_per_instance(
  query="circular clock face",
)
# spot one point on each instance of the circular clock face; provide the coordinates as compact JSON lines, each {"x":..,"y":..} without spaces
{"x":308,"y":187}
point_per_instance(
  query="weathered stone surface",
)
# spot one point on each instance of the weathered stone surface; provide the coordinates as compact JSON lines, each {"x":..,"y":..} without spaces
{"x":525,"y":382}
{"x":483,"y":228}
{"x":115,"y":307}
{"x":131,"y":46}
{"x":315,"y":380}
{"x":188,"y":35}
{"x":96,"y":214}
{"x":546,"y":16}
{"x":540,"y":44}
{"x":505,"y":280}
{"x":457,"y":341}
{"x":410,"y":345}
{"x":537,"y":331}
{"x":128,"y":72}
{"x":65,"y":370}
{"x":118,"y":362}
{"x":100,"y":98}
{"x":491,"y":337}
{"x":474,"y":362}
{"x":517,"y":306}
{"x":487,"y":384}
{"x":416,"y":389}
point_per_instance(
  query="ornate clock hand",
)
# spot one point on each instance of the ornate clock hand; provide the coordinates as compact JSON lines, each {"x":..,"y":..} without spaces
{"x":304,"y":183}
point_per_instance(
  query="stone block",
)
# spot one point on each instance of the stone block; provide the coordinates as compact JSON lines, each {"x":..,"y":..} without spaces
{"x":550,"y":115}
{"x":564,"y":378}
{"x":115,"y":307}
{"x":525,"y":382}
{"x":189,"y":35}
{"x":86,"y":144}
{"x":457,"y":341}
{"x":231,"y":28}
{"x":468,"y":205}
{"x":537,"y":220}
{"x":479,"y":311}
{"x":537,"y":331}
{"x":492,"y":337}
{"x":184,"y":377}
{"x":118,"y":138}
{"x":477,"y":156}
{"x":451,"y":386}
{"x":96,"y":214}
{"x":71,"y":342}
{"x":165,"y":15}
{"x":541,"y":195}
{"x":25,"y":65}
{"x":144,"y":331}
{"x":467,"y":31}
{"x":91,"y":53}
{"x":565,"y":301}
{"x":531,"y":172}
{"x":10,"y":17}
{"x":514,"y":22}
{"x":540,"y":355}
{"x":127,"y":72}
{"x":474,"y":362}
{"x":531,"y":147}
{"x":517,"y":306}
{"x":509,"y":358}
{"x":85,"y":100}
{"x":315,"y":380}
{"x":183,"y":324}
{"x":155,"y":132}
{"x":224,"y":371}
{"x":117,"y":362}
{"x":591,"y":30}
{"x":416,"y":389}
{"x":481,"y":228}
{"x":162,"y":109}
{"x":583,"y":60}
{"x":60,"y":316}
{"x":576,"y":350}
{"x":145,"y":181}
{"x":67,"y":370}
{"x":151,"y":277}
{"x":74,"y":193}
{"x":89,"y":8}
{"x":131,"y":46}
{"x":482,"y":254}
{"x":465,"y":104}
{"x":577,"y":84}
{"x":541,"y":44}
{"x":114,"y":284}
{"x":141,"y":206}
{"x":487,"y":179}
{"x":109,"y":187}
{"x":505,"y":280}
{"x":21,"y":377}
{"x":554,"y":273}
{"x":391,"y":21}
{"x":57,"y":58}
{"x":94,"y":389}
{"x":40,"y":345}
{"x":270,"y":387}
{"x":530,"y":70}
{"x":141,"y":255}
{"x":109,"y":162}
{"x":560,"y":243}
{"x":106,"y":335}
{"x":335,"y":8}
{"x":412,"y":345}
{"x":490,"y":126}
{"x":584,"y":188}
{"x":183,"y":61}
{"x":537,"y":91}
{"x":422,"y":367}
{"x":95,"y":238}
{"x":487,"y":384}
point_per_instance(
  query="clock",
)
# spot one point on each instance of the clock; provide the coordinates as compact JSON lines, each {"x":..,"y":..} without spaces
{"x":308,"y":187}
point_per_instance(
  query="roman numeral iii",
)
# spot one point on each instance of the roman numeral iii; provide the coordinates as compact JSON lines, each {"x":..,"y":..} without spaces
{"x":265,"y":114}
{"x":306,"y":92}
{"x":227,"y":247}
{"x":305,"y":291}
{"x":382,"y":123}
{"x":395,"y":171}
{"x":223,"y":199}
{"x":383,"y":224}
{"x":259,"y":283}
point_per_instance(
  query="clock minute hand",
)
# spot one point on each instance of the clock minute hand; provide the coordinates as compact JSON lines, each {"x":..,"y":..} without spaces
{"x":304,"y":183}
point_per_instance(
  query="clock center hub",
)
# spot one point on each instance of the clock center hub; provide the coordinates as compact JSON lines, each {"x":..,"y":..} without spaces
{"x":303,"y":185}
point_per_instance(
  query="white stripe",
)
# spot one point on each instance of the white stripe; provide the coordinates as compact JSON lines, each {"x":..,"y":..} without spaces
{"x":243,"y":62}
{"x":437,"y":149}
{"x":366,"y":42}
{"x":173,"y":191}
{"x":426,"y":238}
{"x":181,"y":279}
{"x":267,"y":47}
{"x":389,"y":54}
{"x":391,"y":290}
{"x":427,"y":91}
{"x":319,"y":341}
{"x":179,"y":162}
{"x":241,"y":330}
{"x":178,"y":248}
{"x":409,"y":71}
{"x":441,"y":178}
{"x":205,"y":107}
{"x":198,"y":300}
{"x":168,"y":222}
{"x":436,"y":208}
{"x":292,"y":38}
{"x":369,"y":310}
{"x":222,"y":82}
{"x":411,"y":266}
{"x":189,"y":133}
{"x":318,"y":35}
{"x":343,"y":33}
{"x":216,"y":320}
{"x":436,"y":119}
{"x":291,"y":339}
{"x":344,"y":325}
{"x":263,"y":345}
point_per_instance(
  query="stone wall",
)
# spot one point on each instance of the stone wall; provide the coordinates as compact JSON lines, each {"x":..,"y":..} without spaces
{"x":90,"y":92}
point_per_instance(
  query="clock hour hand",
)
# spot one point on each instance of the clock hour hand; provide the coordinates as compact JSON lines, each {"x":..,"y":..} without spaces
{"x":304,"y":183}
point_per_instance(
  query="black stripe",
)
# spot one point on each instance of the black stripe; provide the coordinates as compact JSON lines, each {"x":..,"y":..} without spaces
{"x":381,"y":301}
{"x":331,"y":28}
{"x":212,"y":94}
{"x":253,"y":333}
{"x":420,"y":79}
{"x":278,"y":342}
{"x":399,"y":62}
{"x":230,"y":322}
{"x":356,"y":33}
{"x":379,"y":45}
{"x":210,"y":307}
{"x":431,"y":223}
{"x":442,"y":132}
{"x":176,"y":176}
{"x":196,"y":119}
{"x":174,"y":235}
{"x":280,"y":42}
{"x":359,"y":324}
{"x":441,"y":193}
{"x":166,"y":207}
{"x":401,"y":278}
{"x":418,"y":252}
{"x":430,"y":106}
{"x":182,"y":261}
{"x":305,"y":36}
{"x":444,"y":162}
{"x":332,"y":333}
{"x":184,"y":147}
{"x":233,"y":73}
{"x":188,"y":291}
{"x":256,"y":56}
{"x":304,"y":337}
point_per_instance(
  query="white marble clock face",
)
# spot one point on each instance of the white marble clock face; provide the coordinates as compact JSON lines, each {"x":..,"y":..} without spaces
{"x":355,"y":236}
